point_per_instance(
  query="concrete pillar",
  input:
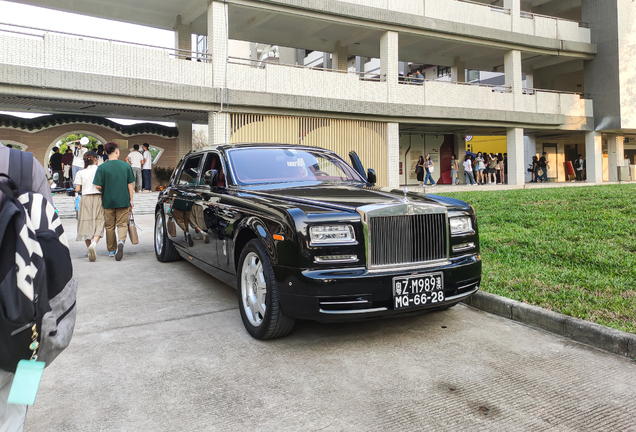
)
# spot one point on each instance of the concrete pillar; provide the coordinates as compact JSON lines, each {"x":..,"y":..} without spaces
{"x":218,"y":128}
{"x":615,"y":156}
{"x":531,"y":150}
{"x":516,"y":163}
{"x":182,"y":39}
{"x":300,"y":56}
{"x":326,"y":61}
{"x":458,"y":71}
{"x":515,"y":13}
{"x":459,"y":149}
{"x":389,"y":63}
{"x":340,"y":57}
{"x":512,"y":69}
{"x":184,"y":140}
{"x":594,"y":157}
{"x":529,"y":81}
{"x":359,"y":65}
{"x":393,"y":154}
{"x":218,"y":40}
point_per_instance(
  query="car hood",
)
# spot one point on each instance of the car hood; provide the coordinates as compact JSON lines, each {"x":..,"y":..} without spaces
{"x":350,"y":197}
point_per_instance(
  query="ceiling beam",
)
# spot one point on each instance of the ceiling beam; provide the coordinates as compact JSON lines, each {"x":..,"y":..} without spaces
{"x":360,"y":36}
{"x":257,"y":21}
{"x":195,"y":11}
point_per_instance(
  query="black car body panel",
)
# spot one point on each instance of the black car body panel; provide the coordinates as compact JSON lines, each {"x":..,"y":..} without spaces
{"x":279,"y":216}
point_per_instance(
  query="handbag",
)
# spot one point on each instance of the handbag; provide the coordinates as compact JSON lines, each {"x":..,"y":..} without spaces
{"x":172,"y":228}
{"x":132,"y":229}
{"x":431,"y":169}
{"x":418,"y":169}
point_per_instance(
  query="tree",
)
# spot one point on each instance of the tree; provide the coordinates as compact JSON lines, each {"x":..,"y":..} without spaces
{"x":199,"y":139}
{"x":68,"y":140}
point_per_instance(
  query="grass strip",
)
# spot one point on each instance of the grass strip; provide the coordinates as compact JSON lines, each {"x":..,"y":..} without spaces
{"x":570,"y":250}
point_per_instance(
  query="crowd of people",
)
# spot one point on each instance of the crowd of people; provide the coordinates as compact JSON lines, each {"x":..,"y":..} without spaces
{"x":69,"y":164}
{"x":107,"y":186}
{"x":486,"y":168}
{"x":491,"y":169}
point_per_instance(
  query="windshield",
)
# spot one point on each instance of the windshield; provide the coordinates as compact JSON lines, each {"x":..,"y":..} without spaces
{"x":254,"y":166}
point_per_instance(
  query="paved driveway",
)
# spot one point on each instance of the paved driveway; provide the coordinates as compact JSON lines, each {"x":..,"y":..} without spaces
{"x":161,"y":347}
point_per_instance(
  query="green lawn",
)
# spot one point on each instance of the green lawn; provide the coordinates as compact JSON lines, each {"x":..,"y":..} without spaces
{"x":571,"y":250}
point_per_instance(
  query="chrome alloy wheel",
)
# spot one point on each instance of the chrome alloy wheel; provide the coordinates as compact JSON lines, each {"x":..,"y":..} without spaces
{"x":159,"y":233}
{"x":253,"y":289}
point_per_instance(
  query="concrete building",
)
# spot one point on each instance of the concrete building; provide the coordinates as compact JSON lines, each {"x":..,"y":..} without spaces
{"x":328,"y":73}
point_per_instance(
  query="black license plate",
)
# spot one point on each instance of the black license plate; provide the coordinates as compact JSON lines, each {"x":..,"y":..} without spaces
{"x":417,"y":291}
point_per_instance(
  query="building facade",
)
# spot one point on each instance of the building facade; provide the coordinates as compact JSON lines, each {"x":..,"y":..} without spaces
{"x":550,"y":76}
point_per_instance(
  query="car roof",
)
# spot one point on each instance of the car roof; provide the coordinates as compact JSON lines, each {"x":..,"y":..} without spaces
{"x":225,"y":147}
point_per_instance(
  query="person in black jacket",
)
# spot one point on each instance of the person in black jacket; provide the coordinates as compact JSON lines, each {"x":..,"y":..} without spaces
{"x":55,"y":163}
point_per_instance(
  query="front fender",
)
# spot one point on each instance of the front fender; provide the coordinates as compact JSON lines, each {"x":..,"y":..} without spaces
{"x":255,"y":227}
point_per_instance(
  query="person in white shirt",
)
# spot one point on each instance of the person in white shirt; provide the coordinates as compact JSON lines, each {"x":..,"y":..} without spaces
{"x":78,"y":156}
{"x":468,"y":171}
{"x":90,"y":220}
{"x":146,"y":170}
{"x":135,"y":159}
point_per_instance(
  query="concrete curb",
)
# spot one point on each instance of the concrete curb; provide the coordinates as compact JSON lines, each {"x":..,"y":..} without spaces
{"x":596,"y":335}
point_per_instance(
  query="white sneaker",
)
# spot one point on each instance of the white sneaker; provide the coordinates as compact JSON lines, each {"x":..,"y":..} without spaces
{"x":92,"y":253}
{"x":120,"y":251}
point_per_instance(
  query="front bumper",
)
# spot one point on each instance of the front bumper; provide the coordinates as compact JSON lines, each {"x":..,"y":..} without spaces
{"x":351,"y":294}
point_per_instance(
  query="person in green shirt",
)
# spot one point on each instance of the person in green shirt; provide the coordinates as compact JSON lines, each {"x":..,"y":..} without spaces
{"x":116,"y":180}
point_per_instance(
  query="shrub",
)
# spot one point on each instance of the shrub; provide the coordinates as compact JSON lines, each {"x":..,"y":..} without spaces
{"x":163,"y":174}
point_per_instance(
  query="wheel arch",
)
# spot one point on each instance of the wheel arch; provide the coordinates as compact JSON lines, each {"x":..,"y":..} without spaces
{"x":253,"y":228}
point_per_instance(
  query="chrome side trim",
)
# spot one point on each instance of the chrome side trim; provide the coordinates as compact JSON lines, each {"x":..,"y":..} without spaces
{"x":321,"y":260}
{"x":463,"y":247}
{"x":463,"y":233}
{"x":462,"y":295}
{"x":354,"y":311}
{"x":382,"y":309}
{"x":343,"y":302}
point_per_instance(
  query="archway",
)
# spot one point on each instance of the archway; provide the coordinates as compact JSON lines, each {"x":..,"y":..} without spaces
{"x":49,"y":149}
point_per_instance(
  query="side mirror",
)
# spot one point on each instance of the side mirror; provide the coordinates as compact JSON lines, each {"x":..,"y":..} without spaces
{"x":211,"y":177}
{"x":371,"y":177}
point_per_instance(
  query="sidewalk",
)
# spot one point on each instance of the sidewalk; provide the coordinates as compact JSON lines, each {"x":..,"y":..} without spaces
{"x":437,"y":189}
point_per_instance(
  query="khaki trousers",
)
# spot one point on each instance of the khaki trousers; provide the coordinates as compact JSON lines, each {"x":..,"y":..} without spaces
{"x":117,"y":217}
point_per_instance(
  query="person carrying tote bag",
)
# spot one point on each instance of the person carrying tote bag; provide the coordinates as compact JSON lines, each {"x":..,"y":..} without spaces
{"x":132,"y":229}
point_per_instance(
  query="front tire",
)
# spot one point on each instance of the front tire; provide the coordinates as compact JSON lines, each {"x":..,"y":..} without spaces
{"x":164,"y":249}
{"x":258,"y":295}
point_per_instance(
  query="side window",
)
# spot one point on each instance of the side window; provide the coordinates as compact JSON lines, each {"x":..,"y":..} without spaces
{"x":190,"y":171}
{"x":213,"y":162}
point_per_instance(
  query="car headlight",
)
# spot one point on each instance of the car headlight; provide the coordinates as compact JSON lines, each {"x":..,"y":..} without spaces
{"x":461,"y":225}
{"x":332,"y":234}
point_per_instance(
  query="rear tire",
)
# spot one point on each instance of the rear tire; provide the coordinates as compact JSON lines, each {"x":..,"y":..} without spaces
{"x":164,"y":249}
{"x":258,"y":295}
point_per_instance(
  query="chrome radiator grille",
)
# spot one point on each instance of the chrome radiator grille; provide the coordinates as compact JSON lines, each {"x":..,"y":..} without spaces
{"x":408,"y":239}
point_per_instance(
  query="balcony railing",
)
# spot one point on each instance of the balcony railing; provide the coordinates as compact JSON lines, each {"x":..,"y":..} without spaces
{"x":494,"y":8}
{"x":485,"y":15}
{"x":84,"y":56}
{"x":34,"y":32}
{"x":364,"y":76}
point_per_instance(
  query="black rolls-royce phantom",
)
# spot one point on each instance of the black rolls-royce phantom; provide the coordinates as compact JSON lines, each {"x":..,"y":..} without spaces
{"x":301,"y":234}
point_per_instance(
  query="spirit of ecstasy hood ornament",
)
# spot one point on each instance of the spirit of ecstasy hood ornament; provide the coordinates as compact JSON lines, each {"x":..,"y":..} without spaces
{"x":406,"y":198}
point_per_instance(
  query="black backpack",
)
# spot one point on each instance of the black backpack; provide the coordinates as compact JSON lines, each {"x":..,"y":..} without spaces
{"x":37,"y":289}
